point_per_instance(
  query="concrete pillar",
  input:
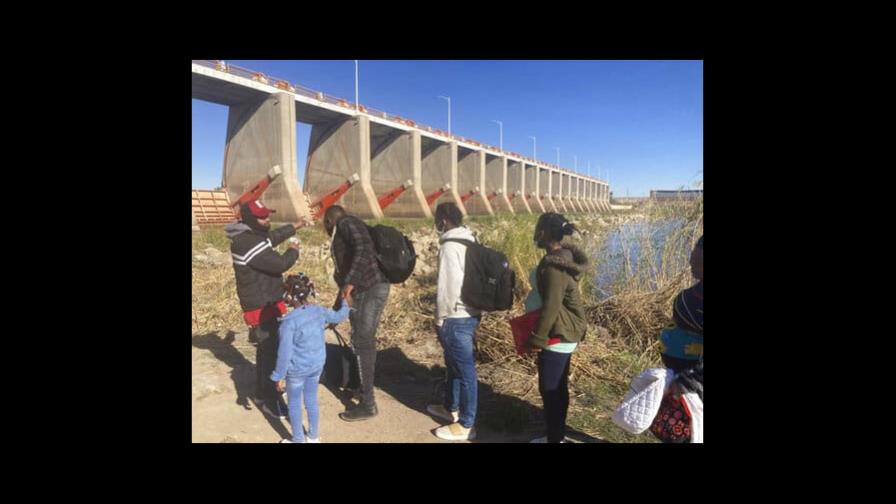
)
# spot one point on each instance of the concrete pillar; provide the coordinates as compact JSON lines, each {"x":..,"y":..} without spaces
{"x":261,"y":134}
{"x":439,"y":167}
{"x":533,"y":187}
{"x":595,"y":196}
{"x":470,"y":175}
{"x":573,"y":195}
{"x":479,"y":160}
{"x":551,"y":193}
{"x":546,"y":177}
{"x":583,"y":195}
{"x":577,"y":194}
{"x":567,"y":193}
{"x":517,"y":181}
{"x":336,"y":151}
{"x":557,"y":194}
{"x":565,"y":180}
{"x":557,"y":187}
{"x":495,"y":180}
{"x":586,"y":188}
{"x":396,"y":158}
{"x":592,"y":196}
{"x":417,"y":170}
{"x":455,"y":179}
{"x":195,"y":224}
{"x":607,"y":197}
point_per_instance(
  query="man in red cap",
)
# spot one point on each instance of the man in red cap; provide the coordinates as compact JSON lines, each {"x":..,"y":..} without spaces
{"x":259,"y":284}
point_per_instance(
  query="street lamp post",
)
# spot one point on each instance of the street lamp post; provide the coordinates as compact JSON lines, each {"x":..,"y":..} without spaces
{"x":357,"y":105}
{"x":500,"y":133}
{"x":534,"y":149}
{"x":449,"y":112}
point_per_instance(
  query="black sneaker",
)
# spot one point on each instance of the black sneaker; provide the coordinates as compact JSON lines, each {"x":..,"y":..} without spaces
{"x":284,"y":408}
{"x":358,"y":412}
{"x":272,"y":410}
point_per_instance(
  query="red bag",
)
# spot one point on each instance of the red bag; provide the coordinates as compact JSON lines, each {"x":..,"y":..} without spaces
{"x":522,"y":327}
{"x":672,"y":423}
{"x":256,"y":317}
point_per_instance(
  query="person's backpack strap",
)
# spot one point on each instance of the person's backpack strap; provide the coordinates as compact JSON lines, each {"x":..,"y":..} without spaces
{"x":332,"y":249}
{"x":458,"y":240}
{"x":339,"y":337}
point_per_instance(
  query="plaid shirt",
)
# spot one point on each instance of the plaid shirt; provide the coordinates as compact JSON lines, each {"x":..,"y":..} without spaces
{"x":354,"y":255}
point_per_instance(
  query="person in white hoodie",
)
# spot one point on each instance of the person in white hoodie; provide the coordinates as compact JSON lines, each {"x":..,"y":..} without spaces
{"x":455,"y":327}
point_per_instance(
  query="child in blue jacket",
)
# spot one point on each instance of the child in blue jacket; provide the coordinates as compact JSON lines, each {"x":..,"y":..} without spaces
{"x":302,"y":353}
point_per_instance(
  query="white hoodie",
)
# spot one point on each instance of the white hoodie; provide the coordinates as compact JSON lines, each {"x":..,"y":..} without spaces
{"x":451,"y":276}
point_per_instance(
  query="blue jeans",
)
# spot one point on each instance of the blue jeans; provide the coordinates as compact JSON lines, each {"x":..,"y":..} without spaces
{"x":298,"y":387}
{"x":456,"y":337}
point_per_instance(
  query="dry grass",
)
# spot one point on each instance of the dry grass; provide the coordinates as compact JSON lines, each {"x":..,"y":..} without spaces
{"x":621,"y":340}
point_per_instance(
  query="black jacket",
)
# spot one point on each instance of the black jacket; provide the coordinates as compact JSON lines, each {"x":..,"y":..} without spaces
{"x":691,"y":379}
{"x":258,"y":267}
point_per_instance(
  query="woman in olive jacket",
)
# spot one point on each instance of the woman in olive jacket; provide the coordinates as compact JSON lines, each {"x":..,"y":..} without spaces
{"x":562,"y":323}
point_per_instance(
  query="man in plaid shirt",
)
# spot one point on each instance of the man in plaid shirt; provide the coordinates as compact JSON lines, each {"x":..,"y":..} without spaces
{"x":358,"y":274}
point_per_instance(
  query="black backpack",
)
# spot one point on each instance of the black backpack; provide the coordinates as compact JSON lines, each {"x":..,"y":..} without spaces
{"x":488,"y":278}
{"x":394,"y":252}
{"x":345,"y":373}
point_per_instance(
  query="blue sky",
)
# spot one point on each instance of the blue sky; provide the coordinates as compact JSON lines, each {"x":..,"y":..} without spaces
{"x":640,"y":120}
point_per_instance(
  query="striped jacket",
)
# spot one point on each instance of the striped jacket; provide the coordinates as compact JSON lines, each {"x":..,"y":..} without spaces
{"x":258,"y":267}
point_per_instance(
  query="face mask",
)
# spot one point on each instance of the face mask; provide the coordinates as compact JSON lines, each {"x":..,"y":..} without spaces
{"x":439,"y":231}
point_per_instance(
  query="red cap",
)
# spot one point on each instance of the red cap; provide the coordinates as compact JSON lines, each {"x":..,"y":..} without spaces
{"x":259,"y":210}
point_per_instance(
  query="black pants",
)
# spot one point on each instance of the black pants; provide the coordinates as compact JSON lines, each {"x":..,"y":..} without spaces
{"x":266,"y":360}
{"x":365,"y":318}
{"x":676,"y":364}
{"x":553,"y":383}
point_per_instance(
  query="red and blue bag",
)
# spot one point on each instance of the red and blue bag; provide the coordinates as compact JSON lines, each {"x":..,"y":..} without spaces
{"x":672,"y":423}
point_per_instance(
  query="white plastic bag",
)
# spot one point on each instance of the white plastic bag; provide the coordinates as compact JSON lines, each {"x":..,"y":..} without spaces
{"x":695,"y":407}
{"x":642,"y":402}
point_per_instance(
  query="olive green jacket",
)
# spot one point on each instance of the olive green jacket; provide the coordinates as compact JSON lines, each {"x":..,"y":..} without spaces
{"x":562,"y":312}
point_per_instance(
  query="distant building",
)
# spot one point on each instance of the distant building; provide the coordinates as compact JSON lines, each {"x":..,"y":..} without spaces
{"x":684,"y":194}
{"x":630,"y":200}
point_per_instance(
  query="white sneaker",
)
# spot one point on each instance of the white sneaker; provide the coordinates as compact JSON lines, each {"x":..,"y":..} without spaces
{"x":437,"y":410}
{"x":285,"y":441}
{"x":456,"y":432}
{"x":312,"y":440}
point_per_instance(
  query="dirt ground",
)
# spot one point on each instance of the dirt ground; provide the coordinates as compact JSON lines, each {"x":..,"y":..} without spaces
{"x":223,"y":377}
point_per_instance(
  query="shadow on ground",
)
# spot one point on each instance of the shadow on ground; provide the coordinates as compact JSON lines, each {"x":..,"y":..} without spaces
{"x":242,"y":372}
